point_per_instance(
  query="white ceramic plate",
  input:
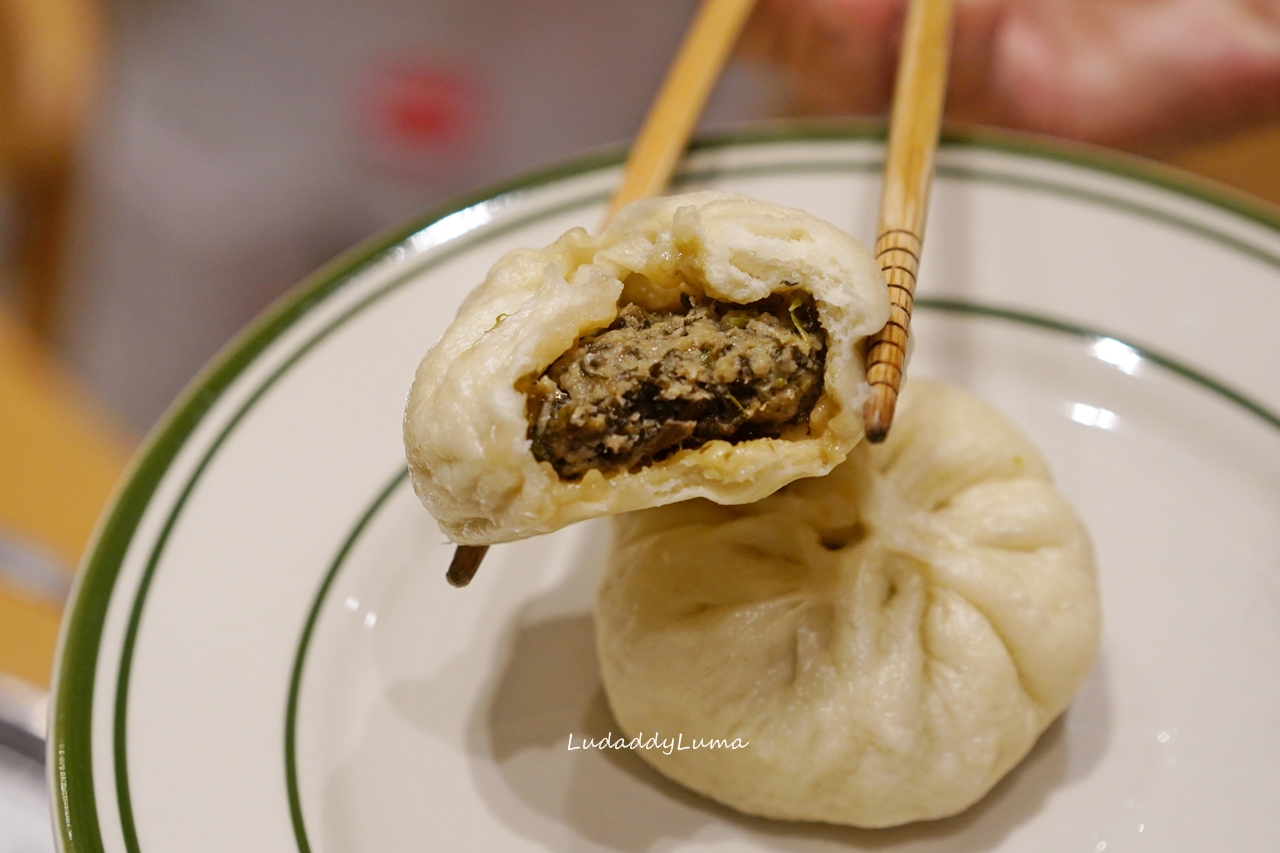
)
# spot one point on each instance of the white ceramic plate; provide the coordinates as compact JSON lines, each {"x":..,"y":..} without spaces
{"x":263,"y":655}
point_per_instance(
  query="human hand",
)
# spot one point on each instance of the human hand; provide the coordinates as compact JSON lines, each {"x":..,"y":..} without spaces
{"x":1137,"y":74}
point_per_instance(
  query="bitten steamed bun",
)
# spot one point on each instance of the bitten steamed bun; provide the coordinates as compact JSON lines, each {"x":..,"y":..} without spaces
{"x":703,"y":345}
{"x":891,"y":638}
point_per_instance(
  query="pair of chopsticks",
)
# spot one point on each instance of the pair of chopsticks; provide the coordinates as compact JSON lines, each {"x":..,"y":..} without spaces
{"x":913,"y":138}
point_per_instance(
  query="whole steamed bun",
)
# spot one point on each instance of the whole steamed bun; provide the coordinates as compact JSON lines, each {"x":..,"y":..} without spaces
{"x":889,"y":639}
{"x":466,"y":427}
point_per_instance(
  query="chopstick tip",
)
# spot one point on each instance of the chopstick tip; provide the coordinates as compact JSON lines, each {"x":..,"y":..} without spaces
{"x":877,"y":414}
{"x":466,"y":561}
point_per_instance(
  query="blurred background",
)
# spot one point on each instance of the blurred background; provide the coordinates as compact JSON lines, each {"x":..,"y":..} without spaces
{"x":169,"y":167}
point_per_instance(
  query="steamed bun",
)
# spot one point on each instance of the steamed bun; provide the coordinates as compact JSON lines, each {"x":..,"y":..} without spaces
{"x":467,"y":427}
{"x":890,"y":639}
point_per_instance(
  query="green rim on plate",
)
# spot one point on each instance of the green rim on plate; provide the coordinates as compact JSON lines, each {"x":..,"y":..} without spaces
{"x":70,"y":747}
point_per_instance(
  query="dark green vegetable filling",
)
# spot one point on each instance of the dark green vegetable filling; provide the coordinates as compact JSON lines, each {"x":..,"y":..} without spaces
{"x":653,"y":383}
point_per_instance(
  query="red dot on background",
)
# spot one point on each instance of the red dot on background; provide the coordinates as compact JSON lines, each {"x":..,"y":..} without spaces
{"x":424,"y":106}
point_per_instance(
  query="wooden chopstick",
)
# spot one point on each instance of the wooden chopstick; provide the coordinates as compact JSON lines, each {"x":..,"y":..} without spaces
{"x":465,"y":563}
{"x":657,"y":149}
{"x":913,"y":139}
{"x":684,"y":93}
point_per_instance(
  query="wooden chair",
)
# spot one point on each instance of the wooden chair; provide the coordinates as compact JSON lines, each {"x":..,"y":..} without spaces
{"x":60,"y":459}
{"x":50,"y":54}
{"x":60,"y":456}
